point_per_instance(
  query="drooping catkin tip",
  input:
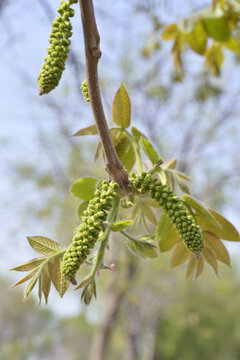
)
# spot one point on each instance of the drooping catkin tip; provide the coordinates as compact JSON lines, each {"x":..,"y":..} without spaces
{"x":197,"y":256}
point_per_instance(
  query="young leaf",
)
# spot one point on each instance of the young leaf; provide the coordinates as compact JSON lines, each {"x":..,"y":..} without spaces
{"x":217,"y":247}
{"x":227,"y":231}
{"x":233,"y":44}
{"x":217,"y":28}
{"x":180,"y":255}
{"x":166,"y":234}
{"x":169,"y":32}
{"x":90,"y":130}
{"x":197,"y":39}
{"x":199,"y":267}
{"x":149,"y":150}
{"x":32,"y":283}
{"x":121,"y":108}
{"x":98,"y":151}
{"x":120,"y":225}
{"x":44,"y":283}
{"x":29,"y":265}
{"x":137,"y":133}
{"x":82,"y":207}
{"x":44,"y":245}
{"x":126,"y":153}
{"x":27,"y":277}
{"x":147,"y":211}
{"x":210,"y":259}
{"x":192,"y":264}
{"x":59,"y":281}
{"x":143,"y":249}
{"x":203,"y":216}
{"x":214,"y":59}
{"x":169,"y":164}
{"x":84,"y":188}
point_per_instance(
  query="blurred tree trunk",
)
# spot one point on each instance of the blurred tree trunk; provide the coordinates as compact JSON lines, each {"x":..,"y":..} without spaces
{"x":114,"y":297}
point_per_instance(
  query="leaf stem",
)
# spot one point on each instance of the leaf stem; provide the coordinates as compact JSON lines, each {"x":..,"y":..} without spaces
{"x":127,"y":236}
{"x":92,"y":56}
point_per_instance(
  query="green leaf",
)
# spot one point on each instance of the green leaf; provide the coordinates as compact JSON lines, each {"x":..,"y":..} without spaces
{"x":214,"y":58}
{"x":98,"y":151}
{"x":203,"y":216}
{"x":200,"y":267}
{"x":29,"y":265}
{"x":217,"y":247}
{"x":27,"y":277}
{"x":137,"y":133}
{"x":183,"y":186}
{"x":233,"y":44}
{"x":169,"y":164}
{"x":217,"y":28}
{"x":89,"y":130}
{"x":59,"y":281}
{"x":44,"y":283}
{"x":126,"y":153}
{"x":32,"y":283}
{"x":147,"y":211}
{"x":143,"y":249}
{"x":169,"y":32}
{"x":82,"y":207}
{"x":166,"y":234}
{"x":44,"y":245}
{"x":227,"y":230}
{"x":149,"y":150}
{"x":180,"y":255}
{"x":210,"y":259}
{"x":162,"y":176}
{"x":192,"y":264}
{"x":197,"y":39}
{"x":120,"y":225}
{"x":84,"y":188}
{"x":121,"y":108}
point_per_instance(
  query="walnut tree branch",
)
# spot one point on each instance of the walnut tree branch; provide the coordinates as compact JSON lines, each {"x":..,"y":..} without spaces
{"x":92,"y":55}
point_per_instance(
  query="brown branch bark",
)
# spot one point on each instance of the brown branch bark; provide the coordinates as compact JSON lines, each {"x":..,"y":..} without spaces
{"x":92,"y":56}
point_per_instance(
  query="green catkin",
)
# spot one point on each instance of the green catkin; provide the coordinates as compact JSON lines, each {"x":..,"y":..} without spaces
{"x":84,"y":88}
{"x":87,"y":233}
{"x":58,"y":49}
{"x":175,"y":209}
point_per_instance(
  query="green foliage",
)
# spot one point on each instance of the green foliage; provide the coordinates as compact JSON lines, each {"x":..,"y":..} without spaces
{"x":121,"y":108}
{"x":58,"y":50}
{"x":84,"y":188}
{"x":44,"y":269}
{"x":217,"y":26}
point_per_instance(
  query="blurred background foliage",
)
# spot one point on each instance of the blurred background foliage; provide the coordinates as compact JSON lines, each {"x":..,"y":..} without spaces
{"x":144,"y":310}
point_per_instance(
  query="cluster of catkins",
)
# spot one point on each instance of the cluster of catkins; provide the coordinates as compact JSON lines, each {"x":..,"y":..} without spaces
{"x":176,"y":210}
{"x":86,"y":234}
{"x":58,"y":49}
{"x":84,"y":88}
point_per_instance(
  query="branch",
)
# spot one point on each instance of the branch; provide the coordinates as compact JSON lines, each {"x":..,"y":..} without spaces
{"x":92,"y":55}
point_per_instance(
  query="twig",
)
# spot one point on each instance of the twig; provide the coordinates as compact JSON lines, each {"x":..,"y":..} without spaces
{"x":92,"y":55}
